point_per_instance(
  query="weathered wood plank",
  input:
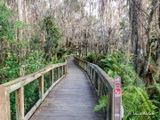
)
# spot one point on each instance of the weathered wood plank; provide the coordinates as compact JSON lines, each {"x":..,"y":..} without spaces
{"x":41,"y":85}
{"x":20,"y":104}
{"x":18,"y":86}
{"x":4,"y":104}
{"x":30,"y":113}
{"x":22,"y":81}
{"x":72,"y":99}
{"x":101,"y":81}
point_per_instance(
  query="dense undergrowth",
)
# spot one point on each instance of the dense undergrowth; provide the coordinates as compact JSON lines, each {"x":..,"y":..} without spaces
{"x":36,"y":57}
{"x":137,"y":102}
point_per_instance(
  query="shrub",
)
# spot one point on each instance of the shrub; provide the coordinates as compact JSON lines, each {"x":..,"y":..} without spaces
{"x":137,"y":105}
{"x":135,"y":99}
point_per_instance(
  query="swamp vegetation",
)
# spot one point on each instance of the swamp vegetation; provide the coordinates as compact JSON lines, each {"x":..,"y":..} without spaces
{"x":122,"y":37}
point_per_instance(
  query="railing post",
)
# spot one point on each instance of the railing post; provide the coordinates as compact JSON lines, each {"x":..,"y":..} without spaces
{"x":94,"y":78}
{"x":99,"y":86}
{"x":87,"y":69}
{"x":86,"y":66}
{"x":50,"y":76}
{"x":61,"y":71}
{"x":66,"y":69}
{"x":41,"y":85}
{"x":20,"y":98}
{"x":20,"y":103}
{"x":58,"y":72}
{"x":4,"y":104}
{"x":116,"y":99}
{"x":53,"y":76}
{"x":90,"y":72}
{"x":83,"y":64}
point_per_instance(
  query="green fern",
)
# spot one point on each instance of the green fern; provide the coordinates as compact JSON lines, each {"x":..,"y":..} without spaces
{"x":102,"y":103}
{"x":136,"y":101}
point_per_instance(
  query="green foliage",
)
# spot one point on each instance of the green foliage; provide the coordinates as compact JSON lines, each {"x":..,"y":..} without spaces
{"x":102,"y":103}
{"x":135,"y":98}
{"x":6,"y":26}
{"x":60,"y":53}
{"x":93,"y":58}
{"x":136,"y":101}
{"x":117,"y":64}
{"x":34,"y":61}
{"x":10,"y":70}
{"x":13,"y":105}
{"x":31,"y":93}
{"x":154,"y":92}
{"x":19,"y":25}
{"x":35,"y":43}
{"x":36,"y":57}
{"x":53,"y":35}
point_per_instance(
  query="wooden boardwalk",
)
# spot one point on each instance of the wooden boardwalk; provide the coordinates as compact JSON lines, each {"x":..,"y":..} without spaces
{"x":72,"y":99}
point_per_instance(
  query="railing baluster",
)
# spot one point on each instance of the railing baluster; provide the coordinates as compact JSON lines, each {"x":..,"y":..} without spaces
{"x":53,"y":75}
{"x":50,"y":78}
{"x":90,"y":72}
{"x":65,"y":71}
{"x":20,"y":104}
{"x":61,"y":71}
{"x":98,"y":80}
{"x":41,"y":85}
{"x":93,"y":77}
{"x":86,"y":66}
{"x":87,"y":69}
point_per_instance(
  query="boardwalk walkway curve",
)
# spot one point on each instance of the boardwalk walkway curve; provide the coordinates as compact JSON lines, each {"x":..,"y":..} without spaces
{"x":65,"y":93}
{"x":72,"y":99}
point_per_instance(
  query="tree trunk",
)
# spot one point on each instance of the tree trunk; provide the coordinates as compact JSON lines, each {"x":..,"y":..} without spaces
{"x":134,"y":21}
{"x":19,"y":31}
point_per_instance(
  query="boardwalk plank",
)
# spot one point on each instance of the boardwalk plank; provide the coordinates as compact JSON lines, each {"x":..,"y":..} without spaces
{"x":72,"y":99}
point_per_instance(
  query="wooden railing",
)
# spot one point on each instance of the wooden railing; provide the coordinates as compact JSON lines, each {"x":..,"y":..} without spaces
{"x":104,"y":86}
{"x":54,"y":74}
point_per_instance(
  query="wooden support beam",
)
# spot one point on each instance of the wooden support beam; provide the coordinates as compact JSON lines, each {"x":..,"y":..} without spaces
{"x":99,"y":86}
{"x":4,"y":104}
{"x":58,"y":72}
{"x":41,"y":85}
{"x":53,"y":76}
{"x":62,"y":70}
{"x":20,"y":104}
{"x":50,"y":76}
{"x":66,"y":69}
{"x":94,"y":78}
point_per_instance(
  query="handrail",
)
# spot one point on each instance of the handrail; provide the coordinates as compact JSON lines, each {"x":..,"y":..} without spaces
{"x":18,"y":84}
{"x":104,"y":86}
